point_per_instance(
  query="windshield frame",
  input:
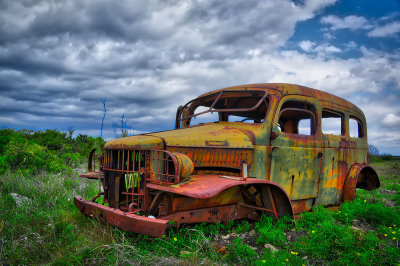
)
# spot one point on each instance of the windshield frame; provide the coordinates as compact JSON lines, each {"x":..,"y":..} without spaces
{"x":180,"y":117}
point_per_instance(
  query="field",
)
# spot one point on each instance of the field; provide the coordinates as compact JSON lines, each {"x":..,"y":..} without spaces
{"x":46,"y":228}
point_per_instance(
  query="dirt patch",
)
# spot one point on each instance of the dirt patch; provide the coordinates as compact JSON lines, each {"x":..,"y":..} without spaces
{"x":249,"y":238}
{"x":362,"y":225}
{"x":387,"y":192}
{"x":292,"y":235}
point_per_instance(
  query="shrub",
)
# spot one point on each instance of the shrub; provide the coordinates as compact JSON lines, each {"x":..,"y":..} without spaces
{"x":28,"y":152}
{"x":27,"y":157}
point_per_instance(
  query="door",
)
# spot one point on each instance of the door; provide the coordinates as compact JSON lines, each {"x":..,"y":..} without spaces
{"x":296,"y":147}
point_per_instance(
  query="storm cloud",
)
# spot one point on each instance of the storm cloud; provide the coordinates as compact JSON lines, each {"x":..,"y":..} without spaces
{"x":59,"y":58}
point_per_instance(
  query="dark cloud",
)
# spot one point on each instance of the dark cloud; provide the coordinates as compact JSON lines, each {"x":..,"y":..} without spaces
{"x":58,"y":58}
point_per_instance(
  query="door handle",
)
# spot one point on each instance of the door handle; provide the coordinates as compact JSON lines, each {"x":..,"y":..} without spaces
{"x":319,"y":155}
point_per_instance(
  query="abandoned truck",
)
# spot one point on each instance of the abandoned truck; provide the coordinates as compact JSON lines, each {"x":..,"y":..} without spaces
{"x":235,"y":153}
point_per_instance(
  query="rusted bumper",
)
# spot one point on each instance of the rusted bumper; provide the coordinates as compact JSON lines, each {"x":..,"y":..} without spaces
{"x":125,"y":221}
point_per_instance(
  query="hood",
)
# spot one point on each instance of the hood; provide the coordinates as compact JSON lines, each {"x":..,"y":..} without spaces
{"x":217,"y":135}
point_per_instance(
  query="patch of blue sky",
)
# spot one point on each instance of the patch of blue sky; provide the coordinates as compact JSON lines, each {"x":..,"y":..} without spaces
{"x":349,"y":41}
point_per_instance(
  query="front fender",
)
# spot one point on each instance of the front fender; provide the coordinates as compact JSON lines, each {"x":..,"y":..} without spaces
{"x":207,"y":186}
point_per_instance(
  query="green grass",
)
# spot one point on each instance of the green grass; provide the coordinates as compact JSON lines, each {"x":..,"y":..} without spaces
{"x":50,"y":230}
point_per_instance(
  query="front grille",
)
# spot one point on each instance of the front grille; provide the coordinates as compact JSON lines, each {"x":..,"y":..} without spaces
{"x":157,"y":165}
{"x":216,"y":157}
{"x":128,"y":171}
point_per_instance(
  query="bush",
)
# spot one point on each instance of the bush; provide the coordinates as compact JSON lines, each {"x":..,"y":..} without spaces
{"x":386,"y":157}
{"x":28,"y":152}
{"x":27,"y":157}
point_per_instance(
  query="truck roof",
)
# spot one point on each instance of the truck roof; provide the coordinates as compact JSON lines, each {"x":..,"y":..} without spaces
{"x":292,"y":89}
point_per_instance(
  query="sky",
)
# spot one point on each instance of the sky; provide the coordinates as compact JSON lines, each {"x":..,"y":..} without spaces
{"x":59,"y":58}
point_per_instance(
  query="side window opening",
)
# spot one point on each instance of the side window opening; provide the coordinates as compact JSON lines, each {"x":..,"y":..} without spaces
{"x":332,"y":123}
{"x":297,"y":118}
{"x":356,"y":129}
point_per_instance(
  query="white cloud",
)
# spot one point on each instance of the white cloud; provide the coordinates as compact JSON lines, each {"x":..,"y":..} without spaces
{"x":350,"y":22}
{"x":351,"y":45}
{"x":391,"y":120}
{"x":306,"y":45}
{"x":328,"y":49}
{"x":389,"y":29}
{"x":322,"y":49}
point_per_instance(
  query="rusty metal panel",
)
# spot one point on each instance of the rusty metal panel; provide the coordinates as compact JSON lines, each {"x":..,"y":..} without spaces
{"x":216,"y":157}
{"x":210,"y":215}
{"x":136,"y":142}
{"x":207,"y":135}
{"x":295,"y":158}
{"x":207,"y":186}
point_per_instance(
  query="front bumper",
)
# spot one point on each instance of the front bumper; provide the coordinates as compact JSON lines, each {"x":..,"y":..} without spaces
{"x":126,"y":221}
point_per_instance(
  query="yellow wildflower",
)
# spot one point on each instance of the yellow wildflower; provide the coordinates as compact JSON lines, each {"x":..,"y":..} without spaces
{"x":175,"y":239}
{"x":287,"y":259}
{"x":390,"y":227}
{"x":385,"y":234}
{"x":264,"y":261}
{"x":365,"y":200}
{"x":394,"y":238}
{"x":313,"y":231}
{"x":394,"y":232}
{"x":358,"y":254}
{"x":294,"y":253}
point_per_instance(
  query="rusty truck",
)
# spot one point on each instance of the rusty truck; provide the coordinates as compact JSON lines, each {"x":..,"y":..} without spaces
{"x":235,"y":153}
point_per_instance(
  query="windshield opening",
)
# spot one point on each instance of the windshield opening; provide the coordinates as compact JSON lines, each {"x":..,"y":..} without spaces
{"x":242,"y":106}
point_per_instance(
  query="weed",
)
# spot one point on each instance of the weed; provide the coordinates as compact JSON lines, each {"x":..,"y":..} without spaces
{"x":373,"y":213}
{"x":238,"y":252}
{"x":271,"y":232}
{"x":243,"y":227}
{"x":310,"y":220}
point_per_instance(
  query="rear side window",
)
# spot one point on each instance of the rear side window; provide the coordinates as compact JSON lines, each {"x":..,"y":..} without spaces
{"x":332,"y":123}
{"x":356,"y":129}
